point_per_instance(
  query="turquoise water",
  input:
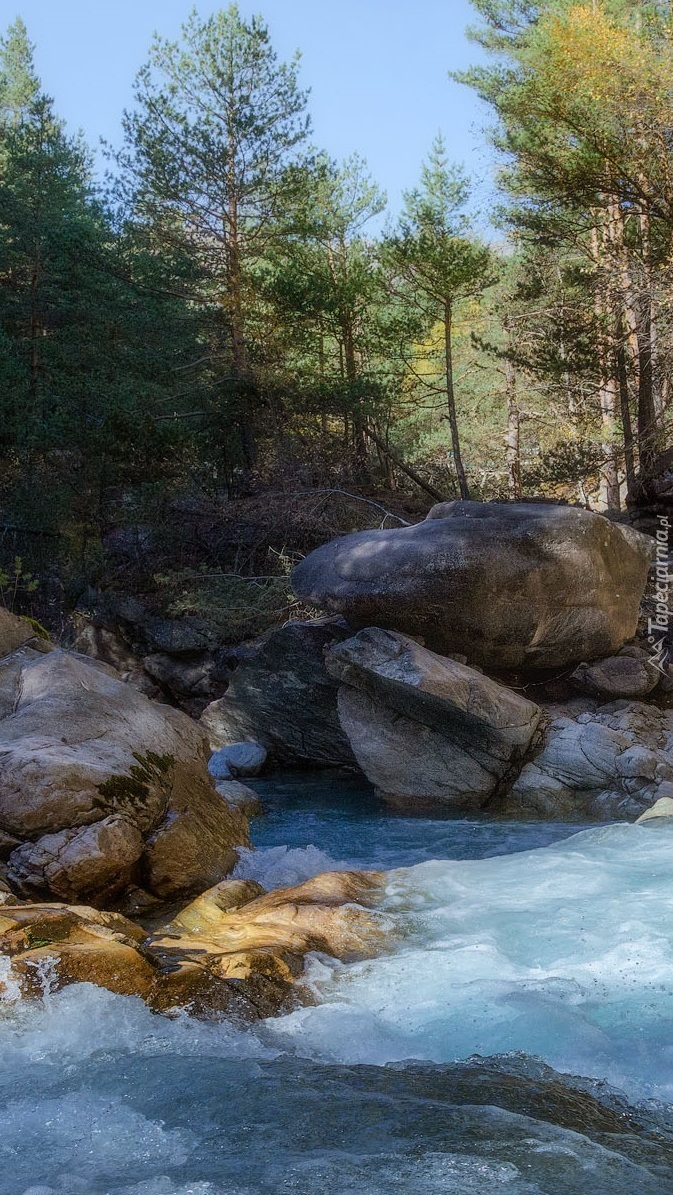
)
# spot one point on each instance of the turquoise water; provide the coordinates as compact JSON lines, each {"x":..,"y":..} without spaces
{"x":532,"y":947}
{"x":337,"y":820}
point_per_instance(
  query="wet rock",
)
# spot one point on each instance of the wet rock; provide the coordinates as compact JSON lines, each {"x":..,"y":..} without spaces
{"x":662,"y":810}
{"x":239,"y":796}
{"x":235,"y":951}
{"x":57,"y":945}
{"x":512,"y":586}
{"x":424,"y":728}
{"x":612,"y":762}
{"x":284,"y":699}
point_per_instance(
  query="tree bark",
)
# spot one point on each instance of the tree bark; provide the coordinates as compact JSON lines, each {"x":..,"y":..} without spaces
{"x":451,"y":400}
{"x":625,"y":412}
{"x":513,"y":436}
{"x":607,"y":389}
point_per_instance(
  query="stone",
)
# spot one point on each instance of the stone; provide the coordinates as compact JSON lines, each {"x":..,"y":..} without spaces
{"x":60,"y":945}
{"x":239,"y":796}
{"x":8,"y":843}
{"x":328,"y":913}
{"x":612,"y":764}
{"x":661,"y":810}
{"x":411,"y":765}
{"x":237,"y":759}
{"x":96,"y":860}
{"x":105,"y":645}
{"x":80,"y":749}
{"x":206,"y":911}
{"x":14,"y":632}
{"x":426,"y":729}
{"x":624,"y":675}
{"x":182,"y":677}
{"x":512,"y":586}
{"x":235,"y":951}
{"x":283,"y":698}
{"x":194,"y":846}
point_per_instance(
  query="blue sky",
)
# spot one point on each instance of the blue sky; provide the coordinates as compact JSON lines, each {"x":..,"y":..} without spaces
{"x":377,"y":70}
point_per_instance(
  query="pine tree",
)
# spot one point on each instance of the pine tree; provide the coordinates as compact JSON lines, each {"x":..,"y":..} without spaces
{"x":441,"y":264}
{"x":217,"y":123}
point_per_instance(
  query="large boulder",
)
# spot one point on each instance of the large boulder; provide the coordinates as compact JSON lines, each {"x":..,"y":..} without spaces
{"x":283,"y":698}
{"x":511,"y":586}
{"x":614,"y":761}
{"x":426,"y":729}
{"x":101,"y":789}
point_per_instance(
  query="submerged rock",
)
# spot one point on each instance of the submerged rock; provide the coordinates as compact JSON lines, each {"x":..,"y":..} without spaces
{"x":424,"y":728}
{"x":512,"y":586}
{"x":284,"y":699}
{"x":101,"y":789}
{"x":235,"y":951}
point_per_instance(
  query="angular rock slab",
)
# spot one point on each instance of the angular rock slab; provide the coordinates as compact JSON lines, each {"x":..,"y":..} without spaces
{"x":512,"y":586}
{"x":426,"y":729}
{"x":101,"y":789}
{"x":284,"y":699}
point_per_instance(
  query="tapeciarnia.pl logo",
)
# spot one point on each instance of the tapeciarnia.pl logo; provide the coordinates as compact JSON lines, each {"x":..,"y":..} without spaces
{"x":658,"y":624}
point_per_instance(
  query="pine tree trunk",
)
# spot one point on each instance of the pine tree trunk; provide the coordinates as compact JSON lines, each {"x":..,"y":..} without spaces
{"x":513,"y":436}
{"x":351,"y":367}
{"x":239,"y":350}
{"x":451,"y":400}
{"x":607,"y":389}
{"x":625,"y":411}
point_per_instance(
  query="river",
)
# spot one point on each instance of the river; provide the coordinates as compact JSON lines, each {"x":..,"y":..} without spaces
{"x":517,"y":1038}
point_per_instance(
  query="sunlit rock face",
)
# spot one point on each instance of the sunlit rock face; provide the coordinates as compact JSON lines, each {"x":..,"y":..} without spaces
{"x":101,"y":789}
{"x":511,"y":586}
{"x":426,"y":729}
{"x":235,"y":951}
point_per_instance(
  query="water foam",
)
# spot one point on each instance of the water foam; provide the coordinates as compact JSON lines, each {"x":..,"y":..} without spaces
{"x":283,"y":867}
{"x":564,"y":952}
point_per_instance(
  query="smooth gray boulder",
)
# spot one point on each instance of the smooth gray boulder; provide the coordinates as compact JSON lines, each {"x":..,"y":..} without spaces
{"x":284,"y":699}
{"x":512,"y":586}
{"x":426,"y":729}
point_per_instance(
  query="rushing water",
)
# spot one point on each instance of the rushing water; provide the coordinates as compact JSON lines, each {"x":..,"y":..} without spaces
{"x":532,"y":946}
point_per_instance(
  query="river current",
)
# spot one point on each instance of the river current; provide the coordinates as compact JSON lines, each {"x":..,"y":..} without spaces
{"x":517,"y":1038}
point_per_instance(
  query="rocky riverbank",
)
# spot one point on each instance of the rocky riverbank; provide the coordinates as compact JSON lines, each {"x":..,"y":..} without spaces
{"x":485,"y":660}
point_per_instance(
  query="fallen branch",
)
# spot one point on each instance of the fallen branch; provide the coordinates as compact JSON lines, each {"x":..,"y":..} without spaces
{"x":396,"y":460}
{"x":356,"y":498}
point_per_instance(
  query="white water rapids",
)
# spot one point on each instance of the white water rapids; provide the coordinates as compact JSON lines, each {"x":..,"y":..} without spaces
{"x":564,"y":952}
